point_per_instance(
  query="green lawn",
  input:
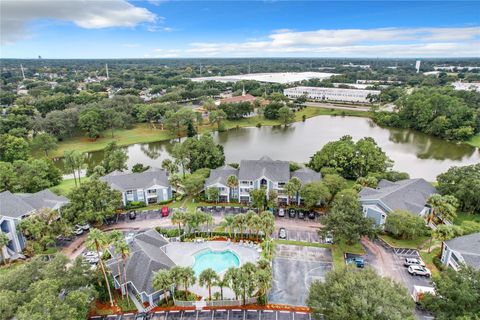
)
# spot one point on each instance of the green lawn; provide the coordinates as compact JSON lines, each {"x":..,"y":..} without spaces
{"x":65,"y":186}
{"x":338,"y":249}
{"x":4,"y":268}
{"x":427,"y":257}
{"x":139,"y":133}
{"x":462,"y":217}
{"x":417,"y":243}
{"x":143,"y":133}
{"x":475,"y":141}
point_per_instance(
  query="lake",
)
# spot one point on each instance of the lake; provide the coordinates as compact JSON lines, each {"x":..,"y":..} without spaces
{"x":420,"y":155}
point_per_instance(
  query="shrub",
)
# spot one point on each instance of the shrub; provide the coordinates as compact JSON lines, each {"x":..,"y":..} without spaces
{"x":259,"y":125}
{"x":135,"y":204}
{"x":405,"y":225}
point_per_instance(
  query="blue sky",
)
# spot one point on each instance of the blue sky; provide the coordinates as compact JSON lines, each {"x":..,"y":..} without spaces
{"x":141,"y":29}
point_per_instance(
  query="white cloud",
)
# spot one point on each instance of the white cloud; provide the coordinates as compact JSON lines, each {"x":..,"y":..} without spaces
{"x":381,"y":42}
{"x":88,"y":14}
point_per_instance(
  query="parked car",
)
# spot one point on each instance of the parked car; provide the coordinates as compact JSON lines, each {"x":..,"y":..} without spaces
{"x":301,"y":214}
{"x":132,"y":215}
{"x":359,"y":262}
{"x":165,"y":211}
{"x":282,"y":233}
{"x":413,"y":261}
{"x":85,"y":226}
{"x":78,"y":231}
{"x":292,"y":213}
{"x":329,"y":238}
{"x":281,"y":212}
{"x":89,"y":254}
{"x":311,"y":215}
{"x":416,"y":270}
{"x":129,"y":237}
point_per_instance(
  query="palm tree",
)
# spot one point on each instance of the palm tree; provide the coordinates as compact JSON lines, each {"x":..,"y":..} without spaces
{"x":240,"y":223}
{"x":222,"y":282}
{"x":178,"y":217}
{"x":176,"y":275}
{"x":232,"y":276}
{"x":247,"y":279}
{"x":208,"y":220}
{"x":232,"y":182}
{"x":208,"y":277}
{"x":228,"y":223}
{"x":249,"y":217}
{"x":98,"y":241}
{"x":188,"y":278}
{"x":115,"y":238}
{"x":296,"y":186}
{"x":3,"y":243}
{"x":289,"y":190}
{"x":256,"y":225}
{"x":264,"y":282}
{"x":443,"y":207}
{"x":267,"y":223}
{"x":162,"y":280}
{"x":442,"y":233}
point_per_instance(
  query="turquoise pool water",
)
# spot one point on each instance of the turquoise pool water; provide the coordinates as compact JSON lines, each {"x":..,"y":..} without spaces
{"x":217,"y":260}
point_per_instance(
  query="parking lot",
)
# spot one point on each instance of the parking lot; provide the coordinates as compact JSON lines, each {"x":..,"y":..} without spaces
{"x":294,"y":269}
{"x":389,"y":263}
{"x":217,"y":315}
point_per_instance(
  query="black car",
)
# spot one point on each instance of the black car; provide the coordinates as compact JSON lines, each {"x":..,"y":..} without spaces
{"x":292,"y":213}
{"x":132,"y":215}
{"x":301,"y":214}
{"x":311,"y":215}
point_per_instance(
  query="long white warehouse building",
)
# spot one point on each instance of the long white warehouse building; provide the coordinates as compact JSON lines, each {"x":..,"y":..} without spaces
{"x":331,"y":94}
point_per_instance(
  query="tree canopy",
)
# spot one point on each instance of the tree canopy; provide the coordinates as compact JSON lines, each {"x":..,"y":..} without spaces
{"x":351,"y":159}
{"x":359,"y":294}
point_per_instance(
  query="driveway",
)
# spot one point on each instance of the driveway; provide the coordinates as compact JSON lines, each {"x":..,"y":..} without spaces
{"x":294,"y":269}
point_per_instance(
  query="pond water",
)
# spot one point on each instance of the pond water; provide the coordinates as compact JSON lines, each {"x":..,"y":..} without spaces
{"x":420,"y":155}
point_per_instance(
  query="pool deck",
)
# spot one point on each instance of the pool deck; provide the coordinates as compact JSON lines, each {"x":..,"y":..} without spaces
{"x":182,"y":253}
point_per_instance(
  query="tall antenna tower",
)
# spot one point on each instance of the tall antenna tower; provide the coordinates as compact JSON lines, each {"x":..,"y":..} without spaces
{"x":23,"y":72}
{"x":248,"y":66}
{"x":106,"y":69}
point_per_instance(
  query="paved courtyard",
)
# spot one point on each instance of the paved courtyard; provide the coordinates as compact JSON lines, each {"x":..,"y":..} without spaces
{"x":294,"y":269}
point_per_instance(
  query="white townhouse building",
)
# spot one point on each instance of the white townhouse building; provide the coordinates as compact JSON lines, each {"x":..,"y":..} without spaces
{"x":255,"y":174}
{"x":331,"y":94}
{"x":150,"y":186}
{"x":14,"y":208}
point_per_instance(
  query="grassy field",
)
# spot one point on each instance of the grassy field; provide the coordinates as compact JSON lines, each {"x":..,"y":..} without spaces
{"x":139,"y":133}
{"x":427,"y":257}
{"x":65,"y":186}
{"x":475,"y":141}
{"x":462,"y":217}
{"x":418,"y":243}
{"x":143,"y":133}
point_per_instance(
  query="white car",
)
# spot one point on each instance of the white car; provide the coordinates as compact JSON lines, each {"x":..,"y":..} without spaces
{"x":83,"y":226}
{"x":281,"y":212}
{"x":416,"y":270}
{"x":78,"y":231}
{"x":329,"y":238}
{"x":413,"y":262}
{"x":90,"y":254}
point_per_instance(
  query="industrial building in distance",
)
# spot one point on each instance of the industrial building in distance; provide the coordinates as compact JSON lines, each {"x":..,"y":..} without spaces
{"x":273,"y":77}
{"x":331,"y":94}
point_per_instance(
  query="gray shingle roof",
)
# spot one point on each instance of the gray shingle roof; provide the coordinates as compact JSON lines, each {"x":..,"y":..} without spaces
{"x":44,"y":199}
{"x":265,"y":167}
{"x":12,"y":206}
{"x":469,"y":247}
{"x":123,"y":181}
{"x":220,"y":175}
{"x":17,"y":205}
{"x":409,"y":194}
{"x":307,"y":175}
{"x":146,"y":258}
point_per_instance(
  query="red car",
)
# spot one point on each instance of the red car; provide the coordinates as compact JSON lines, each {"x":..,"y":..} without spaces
{"x":165,"y":212}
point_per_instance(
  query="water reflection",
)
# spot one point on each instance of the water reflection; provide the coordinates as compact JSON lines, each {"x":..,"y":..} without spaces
{"x":413,"y":152}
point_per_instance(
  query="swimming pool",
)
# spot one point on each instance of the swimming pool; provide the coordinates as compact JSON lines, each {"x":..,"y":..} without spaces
{"x":217,"y":260}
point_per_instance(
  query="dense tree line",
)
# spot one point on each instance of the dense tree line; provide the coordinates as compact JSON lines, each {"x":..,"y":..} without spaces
{"x":440,"y":112}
